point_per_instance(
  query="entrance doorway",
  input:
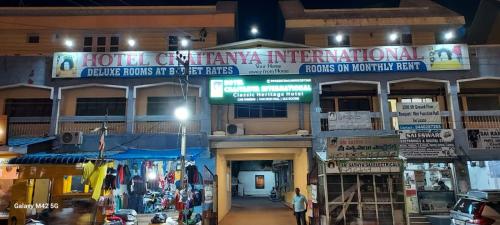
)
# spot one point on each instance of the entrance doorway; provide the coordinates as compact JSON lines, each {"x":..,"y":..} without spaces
{"x":246,"y":177}
{"x":256,"y":196}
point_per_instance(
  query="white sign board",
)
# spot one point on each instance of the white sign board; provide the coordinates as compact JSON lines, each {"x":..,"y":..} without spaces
{"x":419,"y":116}
{"x":369,"y":166}
{"x":262,"y":61}
{"x":355,"y":120}
{"x":363,"y":147}
{"x":427,"y":143}
{"x":484,"y":138}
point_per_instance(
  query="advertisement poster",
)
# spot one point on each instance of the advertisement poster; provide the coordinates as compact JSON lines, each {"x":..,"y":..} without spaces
{"x":230,"y":90}
{"x":419,"y":116}
{"x":353,"y":120}
{"x":484,"y":138}
{"x":363,"y":147}
{"x":427,"y":143}
{"x":262,"y":61}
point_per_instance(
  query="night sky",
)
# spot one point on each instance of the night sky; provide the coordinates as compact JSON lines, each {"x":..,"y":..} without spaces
{"x":263,"y":13}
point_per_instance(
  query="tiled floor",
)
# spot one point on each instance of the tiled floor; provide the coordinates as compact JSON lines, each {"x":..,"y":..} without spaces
{"x":256,"y":211}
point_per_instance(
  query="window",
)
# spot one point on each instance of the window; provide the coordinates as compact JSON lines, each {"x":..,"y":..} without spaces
{"x":33,"y":38}
{"x":173,"y":43}
{"x":346,"y":41}
{"x":87,"y":44}
{"x":99,"y":106}
{"x":260,"y":110}
{"x":483,"y":103}
{"x":166,"y":105}
{"x":114,"y":44}
{"x":101,"y":44}
{"x":327,"y":105}
{"x":406,"y":39}
{"x":34,"y":107}
{"x":354,"y":104}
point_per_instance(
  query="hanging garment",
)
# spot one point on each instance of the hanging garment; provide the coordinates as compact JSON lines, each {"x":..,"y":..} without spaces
{"x":137,"y":186}
{"x":95,"y":177}
{"x":120,"y":173}
{"x":126,"y":175}
{"x":110,"y":182}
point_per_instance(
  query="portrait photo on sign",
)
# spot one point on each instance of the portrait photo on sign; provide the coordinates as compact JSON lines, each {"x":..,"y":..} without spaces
{"x":259,"y":182}
{"x":65,"y":66}
{"x":216,"y":88}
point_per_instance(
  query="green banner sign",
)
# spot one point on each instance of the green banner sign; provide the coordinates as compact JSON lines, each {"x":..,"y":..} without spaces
{"x":253,"y":89}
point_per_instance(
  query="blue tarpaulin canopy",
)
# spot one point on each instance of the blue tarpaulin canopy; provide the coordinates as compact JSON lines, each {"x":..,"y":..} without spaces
{"x":158,"y":154}
{"x":56,"y":158}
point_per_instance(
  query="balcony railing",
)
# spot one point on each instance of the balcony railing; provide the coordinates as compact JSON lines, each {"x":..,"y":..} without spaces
{"x":376,"y":121}
{"x":85,"y":124}
{"x":29,"y":126}
{"x":163,"y":124}
{"x":481,"y":119}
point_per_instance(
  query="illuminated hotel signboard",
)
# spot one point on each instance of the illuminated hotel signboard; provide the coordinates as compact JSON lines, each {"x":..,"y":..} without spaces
{"x":249,"y":89}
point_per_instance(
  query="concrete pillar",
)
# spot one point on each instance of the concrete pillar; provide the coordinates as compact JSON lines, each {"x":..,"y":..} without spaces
{"x":385,"y":112}
{"x":54,"y":117}
{"x":315,"y":110}
{"x":205,"y":111}
{"x":454,"y":106}
{"x":130,"y":113}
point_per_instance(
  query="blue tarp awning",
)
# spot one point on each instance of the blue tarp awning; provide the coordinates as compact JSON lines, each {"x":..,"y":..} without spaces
{"x":57,"y":158}
{"x":25,"y":141}
{"x":158,"y":154}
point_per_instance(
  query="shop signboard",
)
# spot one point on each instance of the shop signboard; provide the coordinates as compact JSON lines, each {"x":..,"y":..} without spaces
{"x":363,"y":147}
{"x":262,"y":61}
{"x":419,"y":116}
{"x":352,"y":120}
{"x":229,"y":90}
{"x":488,"y":139}
{"x":364,"y":166}
{"x":427,"y":144}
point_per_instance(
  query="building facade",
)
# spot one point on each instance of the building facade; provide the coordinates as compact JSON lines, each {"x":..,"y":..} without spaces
{"x":378,"y":109}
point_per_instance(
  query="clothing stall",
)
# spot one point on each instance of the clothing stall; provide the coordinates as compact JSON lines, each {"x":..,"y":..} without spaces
{"x":149,"y":182}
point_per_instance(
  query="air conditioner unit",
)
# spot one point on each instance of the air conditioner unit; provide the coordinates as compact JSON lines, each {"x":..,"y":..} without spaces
{"x":72,"y":138}
{"x":235,"y":129}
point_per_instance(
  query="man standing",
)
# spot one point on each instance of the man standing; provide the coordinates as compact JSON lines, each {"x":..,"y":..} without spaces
{"x":299,"y":207}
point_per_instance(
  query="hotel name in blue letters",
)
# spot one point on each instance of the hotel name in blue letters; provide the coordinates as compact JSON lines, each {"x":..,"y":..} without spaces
{"x":262,"y":61}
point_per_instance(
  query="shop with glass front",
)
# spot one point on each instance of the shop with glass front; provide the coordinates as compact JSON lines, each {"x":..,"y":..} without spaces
{"x":429,"y":187}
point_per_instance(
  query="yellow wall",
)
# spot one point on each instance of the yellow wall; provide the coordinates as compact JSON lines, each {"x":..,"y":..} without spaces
{"x":300,"y":168}
{"x":263,"y":126}
{"x":167,"y":90}
{"x":21,"y":92}
{"x":68,"y":100}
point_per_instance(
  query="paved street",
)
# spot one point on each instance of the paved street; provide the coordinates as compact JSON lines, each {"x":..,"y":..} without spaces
{"x":251,"y":211}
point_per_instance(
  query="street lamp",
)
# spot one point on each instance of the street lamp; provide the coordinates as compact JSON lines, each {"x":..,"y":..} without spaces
{"x":449,"y":35}
{"x":68,"y":43}
{"x":184,"y":42}
{"x":254,"y":30}
{"x":182,"y":114}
